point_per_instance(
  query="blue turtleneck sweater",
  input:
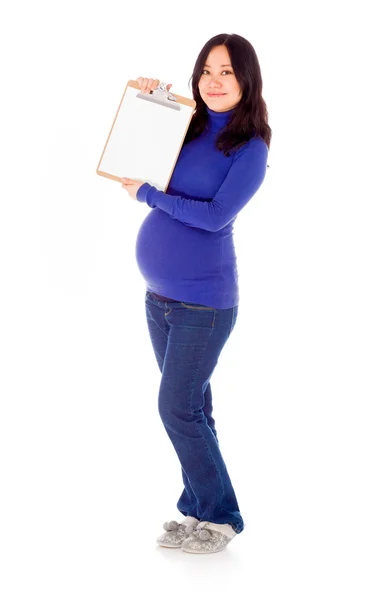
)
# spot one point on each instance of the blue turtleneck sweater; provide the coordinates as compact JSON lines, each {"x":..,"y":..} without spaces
{"x":185,"y":248}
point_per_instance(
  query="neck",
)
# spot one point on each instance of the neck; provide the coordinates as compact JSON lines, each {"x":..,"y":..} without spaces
{"x":218,"y":120}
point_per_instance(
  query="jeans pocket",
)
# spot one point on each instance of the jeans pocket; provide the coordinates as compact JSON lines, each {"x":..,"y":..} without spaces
{"x":195,"y":306}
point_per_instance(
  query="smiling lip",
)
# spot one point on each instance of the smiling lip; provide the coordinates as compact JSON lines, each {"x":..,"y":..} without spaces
{"x":215,"y":94}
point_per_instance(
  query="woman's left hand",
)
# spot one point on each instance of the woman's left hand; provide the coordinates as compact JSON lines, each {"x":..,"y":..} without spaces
{"x":131,"y":186}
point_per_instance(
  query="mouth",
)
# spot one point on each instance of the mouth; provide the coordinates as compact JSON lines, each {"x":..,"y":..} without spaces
{"x":215,"y":95}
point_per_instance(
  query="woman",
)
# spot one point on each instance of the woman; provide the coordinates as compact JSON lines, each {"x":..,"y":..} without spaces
{"x":186,"y":254}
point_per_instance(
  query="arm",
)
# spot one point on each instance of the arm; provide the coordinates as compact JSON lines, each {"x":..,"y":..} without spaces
{"x":244,"y":178}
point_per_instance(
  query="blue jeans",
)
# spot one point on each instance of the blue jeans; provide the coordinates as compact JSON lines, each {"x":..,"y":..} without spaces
{"x":187,"y":340}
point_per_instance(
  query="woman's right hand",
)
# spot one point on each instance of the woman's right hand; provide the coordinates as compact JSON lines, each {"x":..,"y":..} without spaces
{"x":149,"y":85}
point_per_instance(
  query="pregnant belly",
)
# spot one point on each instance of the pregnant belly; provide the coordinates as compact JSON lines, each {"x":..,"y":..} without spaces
{"x":168,"y":249}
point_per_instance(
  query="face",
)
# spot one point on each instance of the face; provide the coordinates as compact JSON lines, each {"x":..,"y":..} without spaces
{"x":218,"y":78}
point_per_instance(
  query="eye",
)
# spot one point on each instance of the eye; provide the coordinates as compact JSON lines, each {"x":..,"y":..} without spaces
{"x":230,"y":72}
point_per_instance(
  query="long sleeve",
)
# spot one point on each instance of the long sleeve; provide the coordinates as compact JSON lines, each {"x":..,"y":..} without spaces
{"x":242,"y":181}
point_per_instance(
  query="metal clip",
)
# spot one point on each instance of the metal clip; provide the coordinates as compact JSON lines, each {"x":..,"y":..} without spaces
{"x":161,"y":96}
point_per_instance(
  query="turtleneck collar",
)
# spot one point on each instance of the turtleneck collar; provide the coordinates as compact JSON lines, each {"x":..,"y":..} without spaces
{"x":218,"y":120}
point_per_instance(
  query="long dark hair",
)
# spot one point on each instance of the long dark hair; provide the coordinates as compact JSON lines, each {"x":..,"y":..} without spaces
{"x":250,"y":117}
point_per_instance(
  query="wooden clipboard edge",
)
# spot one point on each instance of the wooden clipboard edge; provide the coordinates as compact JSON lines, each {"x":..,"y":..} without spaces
{"x":180,"y":99}
{"x":103,"y":173}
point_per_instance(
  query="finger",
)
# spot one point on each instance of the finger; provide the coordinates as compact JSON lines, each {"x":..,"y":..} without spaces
{"x":149,"y":84}
{"x":141,"y":81}
{"x":126,"y":183}
{"x":144,"y":86}
{"x":155,"y":85}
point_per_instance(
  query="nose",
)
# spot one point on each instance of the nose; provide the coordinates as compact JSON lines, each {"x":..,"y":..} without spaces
{"x":213,"y":81}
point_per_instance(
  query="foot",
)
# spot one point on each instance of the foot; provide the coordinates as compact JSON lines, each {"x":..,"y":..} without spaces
{"x":208,"y":537}
{"x":175,"y":533}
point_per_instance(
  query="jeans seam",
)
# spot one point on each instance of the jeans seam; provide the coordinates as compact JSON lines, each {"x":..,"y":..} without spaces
{"x":198,"y":429}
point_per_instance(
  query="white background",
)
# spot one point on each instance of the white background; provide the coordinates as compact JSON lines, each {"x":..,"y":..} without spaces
{"x":88,"y":475}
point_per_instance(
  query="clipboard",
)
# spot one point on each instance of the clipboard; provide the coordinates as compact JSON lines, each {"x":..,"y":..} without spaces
{"x":146,"y":136}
